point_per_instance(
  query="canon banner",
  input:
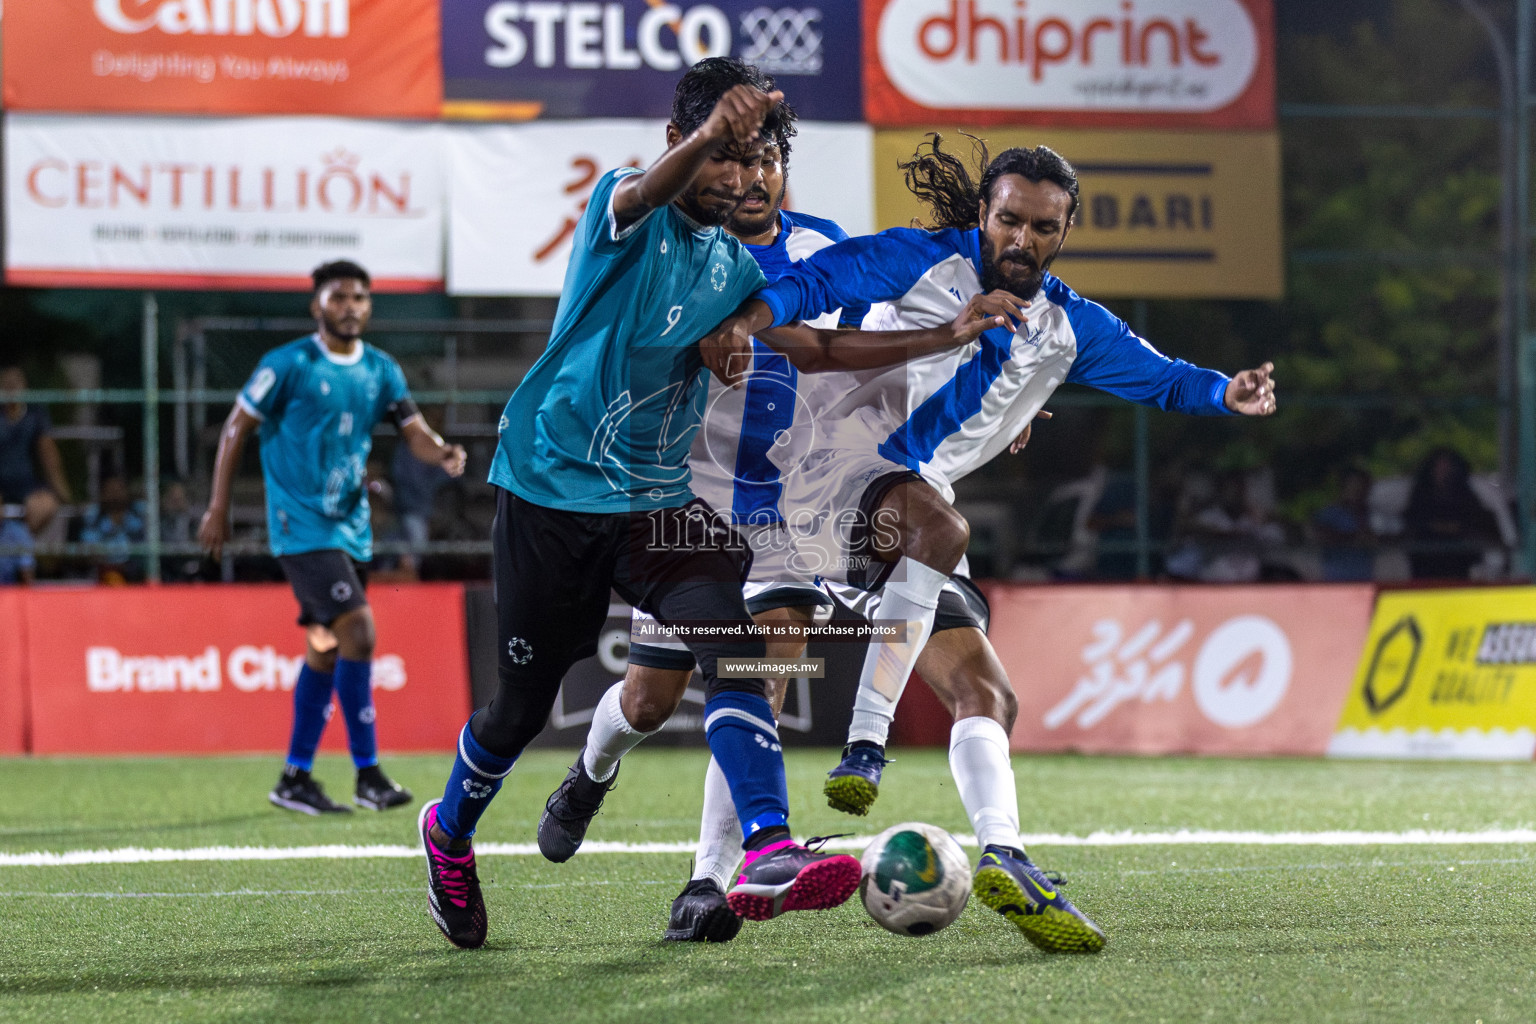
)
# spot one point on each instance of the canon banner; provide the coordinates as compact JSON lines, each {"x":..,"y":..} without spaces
{"x":1161,"y":670}
{"x":1446,"y":674}
{"x":517,"y":191}
{"x":364,"y":58}
{"x":504,"y":59}
{"x":211,"y":669}
{"x":252,"y":203}
{"x":1125,"y":63}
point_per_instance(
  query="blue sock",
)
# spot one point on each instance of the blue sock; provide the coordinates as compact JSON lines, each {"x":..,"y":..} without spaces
{"x":744,"y":741}
{"x":476,"y":776}
{"x":354,"y":688}
{"x":311,"y":707}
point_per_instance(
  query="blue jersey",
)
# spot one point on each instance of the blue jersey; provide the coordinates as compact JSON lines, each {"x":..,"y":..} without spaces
{"x":604,"y":420}
{"x":317,"y":412}
{"x":731,"y":467}
{"x":950,"y":412}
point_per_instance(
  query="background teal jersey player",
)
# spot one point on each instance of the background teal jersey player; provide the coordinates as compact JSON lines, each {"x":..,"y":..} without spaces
{"x":604,"y":420}
{"x":314,"y":403}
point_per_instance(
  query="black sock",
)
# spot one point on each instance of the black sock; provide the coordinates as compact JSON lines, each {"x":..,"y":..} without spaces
{"x":877,"y":747}
{"x":293,"y":774}
{"x":767,"y":837}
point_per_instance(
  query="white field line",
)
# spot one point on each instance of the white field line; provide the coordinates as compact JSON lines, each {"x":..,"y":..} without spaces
{"x":1183,"y":837}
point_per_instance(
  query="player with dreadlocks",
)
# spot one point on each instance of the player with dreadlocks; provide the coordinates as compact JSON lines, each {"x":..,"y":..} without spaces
{"x":893,"y":442}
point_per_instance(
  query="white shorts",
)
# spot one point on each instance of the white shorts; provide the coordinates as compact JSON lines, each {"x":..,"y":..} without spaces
{"x":772,"y":583}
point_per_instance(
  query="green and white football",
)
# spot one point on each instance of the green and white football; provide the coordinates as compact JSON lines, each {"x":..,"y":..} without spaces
{"x":916,"y":879}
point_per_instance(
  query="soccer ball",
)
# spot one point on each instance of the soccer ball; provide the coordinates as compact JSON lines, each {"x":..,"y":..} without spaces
{"x":916,"y":879}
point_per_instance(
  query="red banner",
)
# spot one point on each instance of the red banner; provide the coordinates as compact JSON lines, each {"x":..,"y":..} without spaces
{"x":1165,"y":669}
{"x":361,"y":58}
{"x":1070,"y":63}
{"x":204,"y":669}
{"x":13,"y":658}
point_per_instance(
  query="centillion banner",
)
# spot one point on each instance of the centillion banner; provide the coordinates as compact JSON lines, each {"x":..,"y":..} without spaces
{"x":1161,"y":214}
{"x":1445,"y":674}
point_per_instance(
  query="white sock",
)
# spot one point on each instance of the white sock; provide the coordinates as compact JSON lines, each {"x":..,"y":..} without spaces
{"x":611,"y":736}
{"x":719,"y":831}
{"x":978,"y":759}
{"x":912,"y":597}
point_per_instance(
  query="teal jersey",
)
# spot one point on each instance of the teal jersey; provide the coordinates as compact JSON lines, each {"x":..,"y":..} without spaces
{"x":317,"y":412}
{"x":604,"y":420}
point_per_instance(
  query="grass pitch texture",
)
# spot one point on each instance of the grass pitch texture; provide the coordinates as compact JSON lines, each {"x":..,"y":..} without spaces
{"x":1216,"y":932}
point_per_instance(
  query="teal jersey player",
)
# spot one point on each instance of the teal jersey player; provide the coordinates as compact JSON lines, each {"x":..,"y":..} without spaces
{"x":317,"y":411}
{"x":603,"y":422}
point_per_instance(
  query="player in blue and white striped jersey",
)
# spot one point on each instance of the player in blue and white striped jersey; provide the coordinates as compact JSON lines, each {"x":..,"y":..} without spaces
{"x":874,"y":497}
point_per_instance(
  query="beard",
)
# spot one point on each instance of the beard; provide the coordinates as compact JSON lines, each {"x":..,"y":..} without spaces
{"x":743,"y":223}
{"x":347,"y":330}
{"x":711,"y":215}
{"x":1012,"y":270}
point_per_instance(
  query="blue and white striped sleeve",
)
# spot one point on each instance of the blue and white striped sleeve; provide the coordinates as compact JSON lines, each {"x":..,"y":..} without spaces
{"x":1111,"y":358}
{"x":855,"y":273}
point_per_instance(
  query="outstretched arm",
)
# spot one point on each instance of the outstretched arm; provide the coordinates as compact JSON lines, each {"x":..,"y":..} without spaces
{"x":214,"y":529}
{"x":727,"y":350}
{"x":736,"y":120}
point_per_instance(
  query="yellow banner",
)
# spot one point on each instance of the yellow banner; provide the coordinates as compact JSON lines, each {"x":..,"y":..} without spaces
{"x":1162,"y":214}
{"x":1445,"y":673}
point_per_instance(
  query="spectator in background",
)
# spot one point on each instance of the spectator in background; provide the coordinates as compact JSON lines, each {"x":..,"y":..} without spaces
{"x":1344,"y":531}
{"x":16,"y":562}
{"x":178,"y":526}
{"x":31,"y":471}
{"x":1225,"y":541}
{"x":116,"y":522}
{"x":1447,"y":526}
{"x":416,"y":485}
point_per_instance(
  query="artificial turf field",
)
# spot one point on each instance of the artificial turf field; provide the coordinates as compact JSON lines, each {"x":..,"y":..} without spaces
{"x":1244,"y":931}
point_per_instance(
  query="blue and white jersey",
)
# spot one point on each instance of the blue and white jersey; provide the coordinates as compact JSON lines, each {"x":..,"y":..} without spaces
{"x":730,"y":460}
{"x":317,"y":411}
{"x":948,"y":413}
{"x":605,"y":420}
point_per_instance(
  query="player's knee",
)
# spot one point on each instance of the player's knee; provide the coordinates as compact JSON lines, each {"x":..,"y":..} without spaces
{"x":649,"y":700}
{"x":938,"y":536}
{"x":355,"y":634}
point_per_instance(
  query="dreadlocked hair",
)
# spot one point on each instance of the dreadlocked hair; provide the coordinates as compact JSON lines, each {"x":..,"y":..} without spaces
{"x":943,"y":181}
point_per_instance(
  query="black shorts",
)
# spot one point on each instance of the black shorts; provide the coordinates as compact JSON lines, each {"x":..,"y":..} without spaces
{"x":962,"y":605}
{"x":868,"y":572}
{"x":328,"y":584}
{"x":555,"y":571}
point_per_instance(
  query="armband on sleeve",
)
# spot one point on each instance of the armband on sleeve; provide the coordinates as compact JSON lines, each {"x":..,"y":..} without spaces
{"x":402,"y":412}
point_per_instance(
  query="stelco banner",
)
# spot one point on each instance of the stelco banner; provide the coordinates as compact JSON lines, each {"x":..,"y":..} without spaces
{"x":1121,"y":63}
{"x":1160,"y":214}
{"x":1445,"y":674}
{"x":252,"y":203}
{"x":1162,"y":670}
{"x":211,"y":669}
{"x":517,"y":191}
{"x":623,"y":59}
{"x":362,"y":58}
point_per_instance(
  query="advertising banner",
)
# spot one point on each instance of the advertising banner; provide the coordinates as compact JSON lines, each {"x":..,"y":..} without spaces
{"x":516,"y":192}
{"x":199,"y":669}
{"x":13,"y":664}
{"x":1104,"y":63}
{"x":1179,"y":669}
{"x":229,"y":203}
{"x":623,"y":59}
{"x":1160,"y":214}
{"x":1445,"y":674}
{"x":359,"y":58}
